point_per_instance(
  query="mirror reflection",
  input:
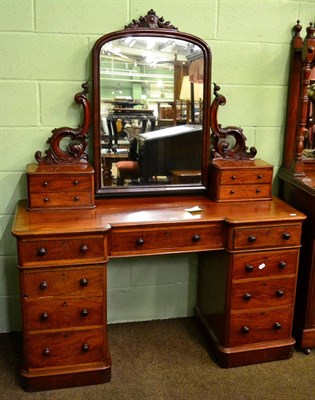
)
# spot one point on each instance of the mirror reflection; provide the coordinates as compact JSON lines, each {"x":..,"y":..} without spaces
{"x":151,"y":107}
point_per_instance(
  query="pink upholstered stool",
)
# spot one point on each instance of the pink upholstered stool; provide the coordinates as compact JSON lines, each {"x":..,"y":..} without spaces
{"x":127,"y":170}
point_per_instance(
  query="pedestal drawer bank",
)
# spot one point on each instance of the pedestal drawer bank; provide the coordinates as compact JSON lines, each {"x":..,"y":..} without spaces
{"x":248,"y":255}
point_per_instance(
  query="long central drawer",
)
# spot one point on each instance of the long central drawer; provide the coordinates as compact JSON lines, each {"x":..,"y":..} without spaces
{"x":157,"y":240}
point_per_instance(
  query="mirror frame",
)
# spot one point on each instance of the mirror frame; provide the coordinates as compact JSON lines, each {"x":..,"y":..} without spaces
{"x":153,"y":26}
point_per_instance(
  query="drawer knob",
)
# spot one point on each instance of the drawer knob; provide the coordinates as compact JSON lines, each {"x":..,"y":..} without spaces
{"x":196,"y":238}
{"x":233,"y":177}
{"x":76,"y":182}
{"x":84,"y":249}
{"x":43,"y":285}
{"x":41,"y":251}
{"x":286,"y":236}
{"x":232,"y":191}
{"x":45,"y":183}
{"x":76,"y":198}
{"x":85,"y":347}
{"x":282,"y":264}
{"x":245,"y":329}
{"x":251,"y":239}
{"x":258,"y":190}
{"x":140,"y":242}
{"x":247,"y":296}
{"x":259,"y":176}
{"x":44,"y":316}
{"x":279,"y":293}
{"x":46,"y":199}
{"x":249,"y":268}
{"x":84,"y":282}
{"x":46,"y":352}
{"x":277,"y":325}
{"x":84,"y":312}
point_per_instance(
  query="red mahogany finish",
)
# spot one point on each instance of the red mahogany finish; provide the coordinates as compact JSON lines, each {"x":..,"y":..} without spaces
{"x":297,"y":174}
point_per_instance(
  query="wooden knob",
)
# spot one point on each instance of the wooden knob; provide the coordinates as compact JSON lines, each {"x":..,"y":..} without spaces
{"x":251,"y":239}
{"x":259,"y":176}
{"x":286,"y":236}
{"x":85,"y":347}
{"x":232,"y":191}
{"x":277,"y":325}
{"x":249,"y":268}
{"x":196,"y":238}
{"x":41,"y":251}
{"x":46,"y":199}
{"x":247,"y":296}
{"x":84,"y":312}
{"x":279,"y":293}
{"x":76,"y":198}
{"x":282,"y":264}
{"x":140,"y":242}
{"x":245,"y":329}
{"x":45,"y":183}
{"x":84,"y":249}
{"x":44,"y":316}
{"x":43,"y":285}
{"x":258,"y":190}
{"x":84,"y":282}
{"x":46,"y":352}
{"x":233,"y":177}
{"x":76,"y":182}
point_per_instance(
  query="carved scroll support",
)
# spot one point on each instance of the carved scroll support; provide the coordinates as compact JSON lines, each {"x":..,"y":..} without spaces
{"x":74,"y":151}
{"x":228,"y":142}
{"x":308,"y":57}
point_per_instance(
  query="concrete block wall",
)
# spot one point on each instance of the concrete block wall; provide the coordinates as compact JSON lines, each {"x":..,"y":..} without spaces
{"x":45,"y":56}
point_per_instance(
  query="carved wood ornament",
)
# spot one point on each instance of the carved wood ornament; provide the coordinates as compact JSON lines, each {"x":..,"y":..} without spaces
{"x":75,"y":150}
{"x":228,"y":142}
{"x":152,"y":21}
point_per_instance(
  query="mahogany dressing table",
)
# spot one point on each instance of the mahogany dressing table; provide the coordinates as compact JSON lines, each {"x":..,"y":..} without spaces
{"x":248,"y":242}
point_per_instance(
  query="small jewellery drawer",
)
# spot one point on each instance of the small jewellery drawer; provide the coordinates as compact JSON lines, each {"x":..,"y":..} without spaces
{"x":159,"y":240}
{"x":67,"y":250}
{"x":260,"y":326}
{"x":246,"y":176}
{"x":61,"y":282}
{"x":60,"y":199}
{"x":64,"y":348}
{"x":264,"y":263}
{"x":239,"y":192}
{"x":63,"y":183}
{"x":55,"y":314}
{"x":268,"y":236}
{"x":262,"y":293}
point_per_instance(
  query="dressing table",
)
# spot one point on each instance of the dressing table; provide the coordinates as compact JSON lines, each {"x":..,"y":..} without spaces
{"x":72,"y":224}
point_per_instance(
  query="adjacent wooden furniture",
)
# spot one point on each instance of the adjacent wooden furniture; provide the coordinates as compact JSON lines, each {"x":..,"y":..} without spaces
{"x":248,"y":242}
{"x":297,"y":175}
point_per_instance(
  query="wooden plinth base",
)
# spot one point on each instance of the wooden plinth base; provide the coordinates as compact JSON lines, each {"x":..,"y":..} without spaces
{"x":34,"y":381}
{"x":254,"y":353}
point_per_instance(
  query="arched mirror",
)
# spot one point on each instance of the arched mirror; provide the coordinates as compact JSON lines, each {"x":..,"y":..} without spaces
{"x":151,"y":94}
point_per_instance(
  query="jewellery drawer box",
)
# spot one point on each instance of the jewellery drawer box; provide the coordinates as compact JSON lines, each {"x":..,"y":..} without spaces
{"x":260,"y":326}
{"x":60,"y":186}
{"x":66,"y":348}
{"x":159,"y":240}
{"x":51,"y":282}
{"x":240,"y":180}
{"x":47,"y":251}
{"x":264,"y":236}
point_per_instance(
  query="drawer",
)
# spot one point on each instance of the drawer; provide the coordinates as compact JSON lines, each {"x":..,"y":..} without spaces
{"x":73,"y":198}
{"x":263,"y":293}
{"x":59,"y":183}
{"x":251,"y":327}
{"x":159,"y":240}
{"x":63,"y":313}
{"x":246,"y":176}
{"x":64,"y":250}
{"x":64,"y":348}
{"x":265,"y":263}
{"x":246,"y":192}
{"x":268,"y":236}
{"x":61,"y":282}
